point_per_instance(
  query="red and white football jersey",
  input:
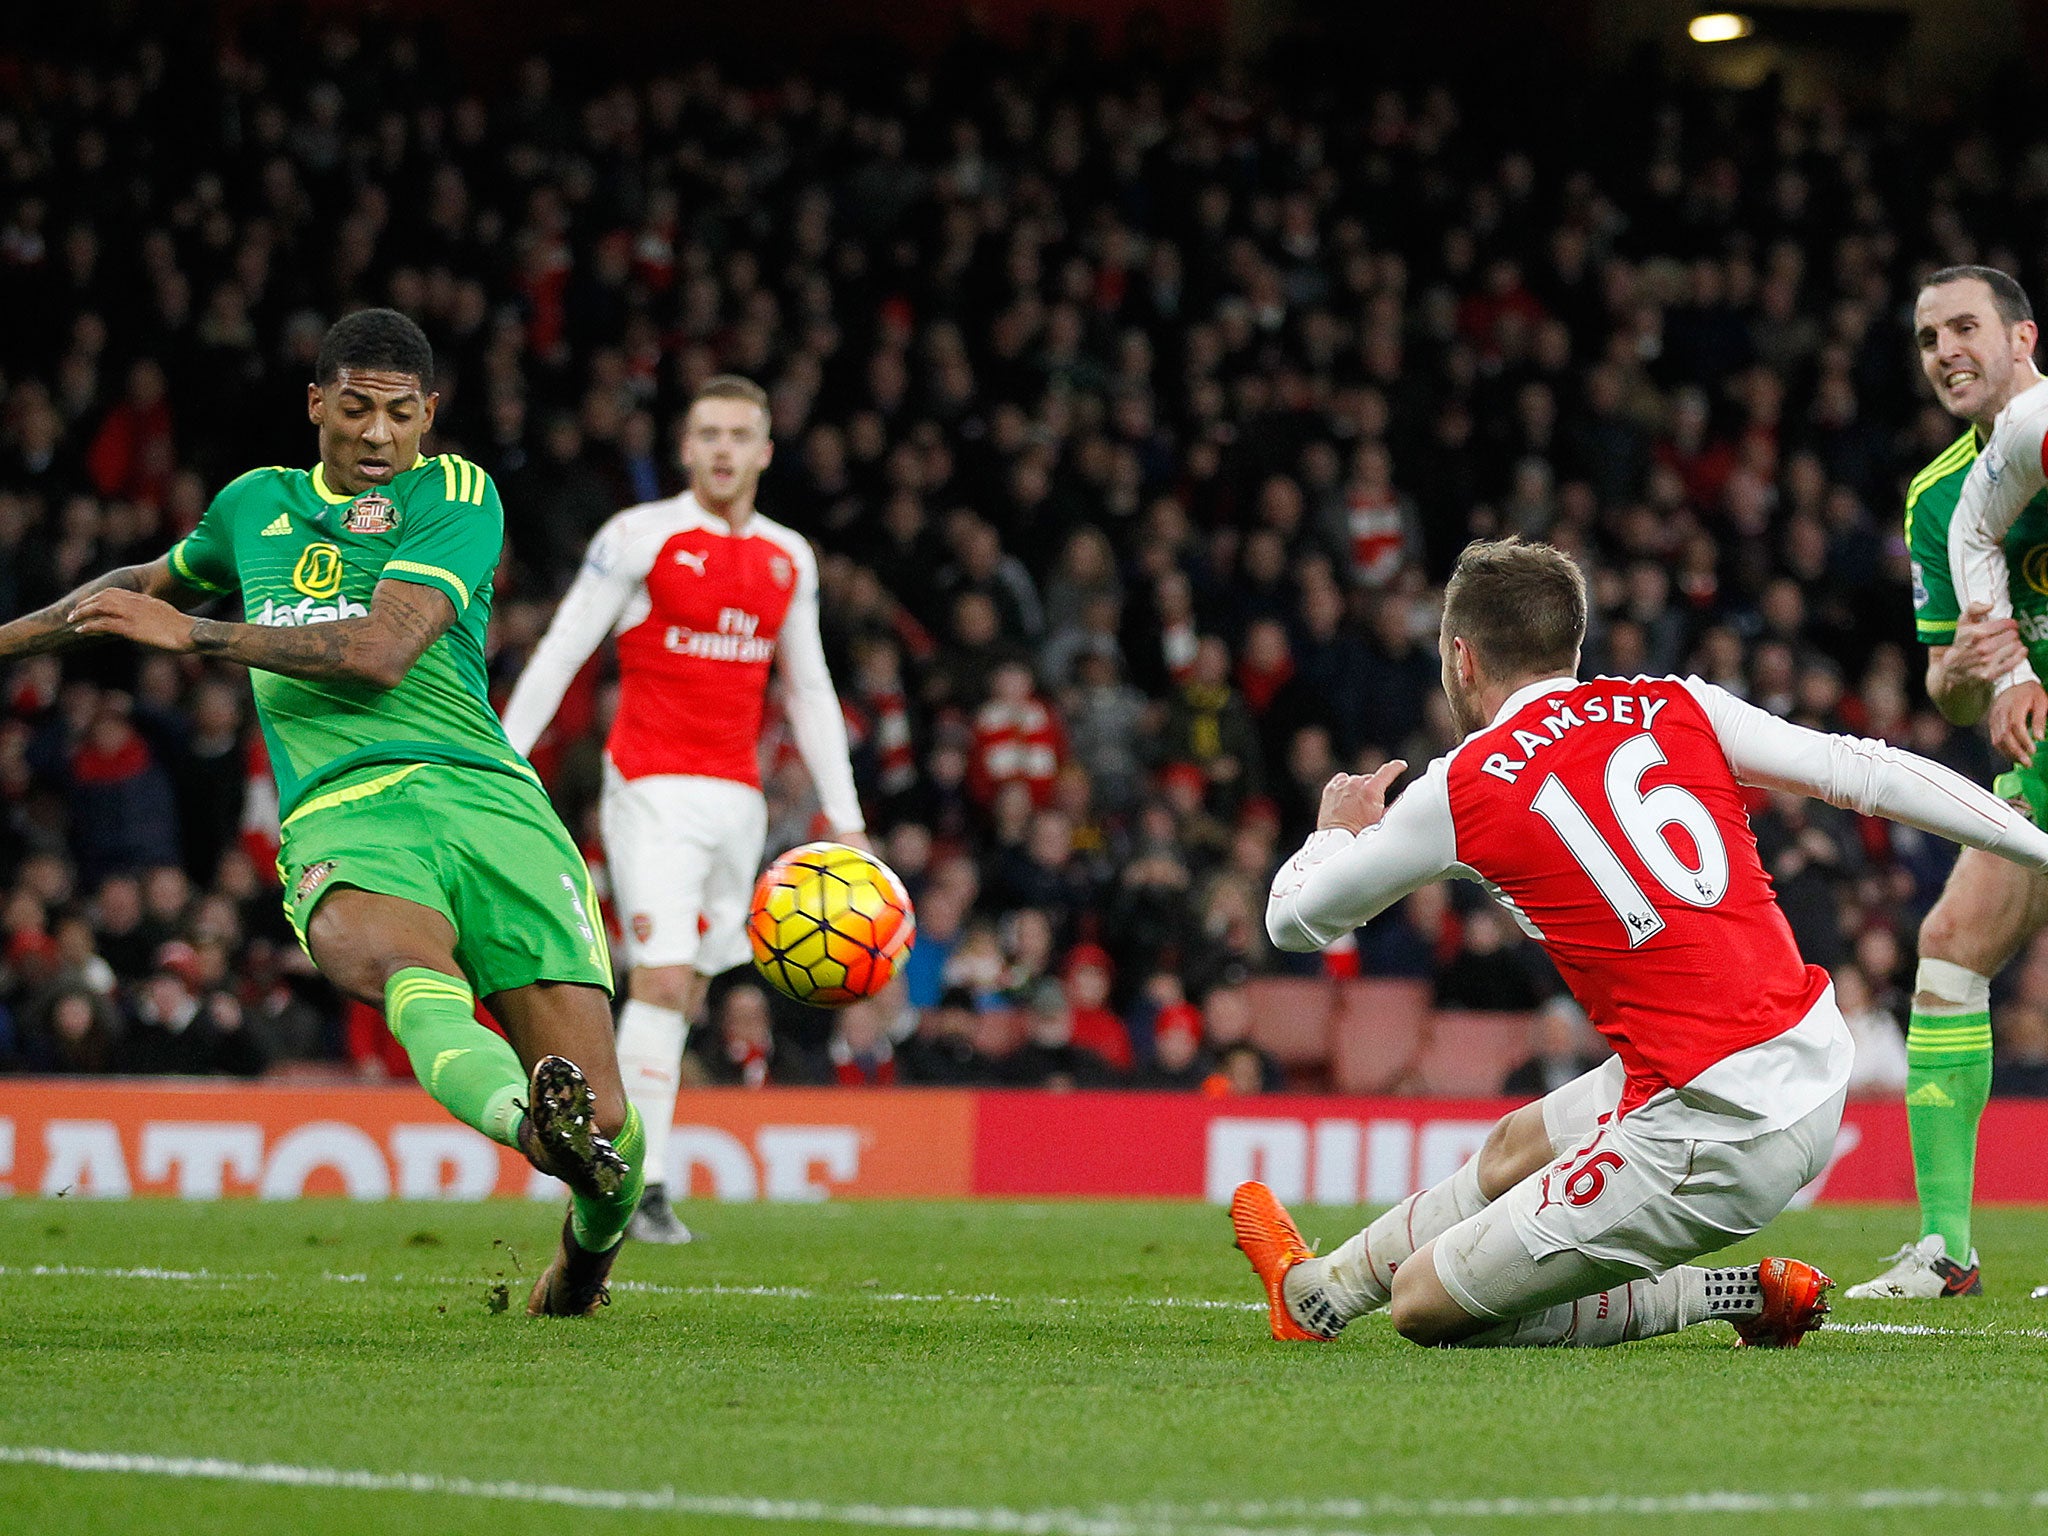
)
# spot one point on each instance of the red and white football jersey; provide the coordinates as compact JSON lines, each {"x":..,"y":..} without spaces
{"x":1608,"y":816}
{"x":701,"y":614}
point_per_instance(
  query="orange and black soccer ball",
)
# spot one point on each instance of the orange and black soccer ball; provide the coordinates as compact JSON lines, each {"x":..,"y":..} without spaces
{"x":829,"y":924}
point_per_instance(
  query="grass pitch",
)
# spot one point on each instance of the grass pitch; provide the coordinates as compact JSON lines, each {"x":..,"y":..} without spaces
{"x":1071,"y":1370}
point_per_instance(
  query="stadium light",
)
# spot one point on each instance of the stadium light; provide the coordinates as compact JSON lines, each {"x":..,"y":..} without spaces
{"x":1719,"y":27}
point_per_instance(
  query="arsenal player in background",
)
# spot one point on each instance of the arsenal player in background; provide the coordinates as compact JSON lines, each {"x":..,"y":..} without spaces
{"x":1608,"y":817}
{"x":705,"y":595}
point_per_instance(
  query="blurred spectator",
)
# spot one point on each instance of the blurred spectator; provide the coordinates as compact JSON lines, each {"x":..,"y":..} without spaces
{"x":1049,"y":1058}
{"x":1492,"y":968}
{"x":1562,"y":1047}
{"x":740,"y":1050}
{"x":179,"y":1026}
{"x":1097,"y":1028}
{"x":942,"y":1051}
{"x":2020,"y":1067}
{"x":1880,"y":1066}
{"x":1178,"y":1064}
{"x":1227,"y":1031}
{"x":860,"y":1051}
{"x":1017,"y":739}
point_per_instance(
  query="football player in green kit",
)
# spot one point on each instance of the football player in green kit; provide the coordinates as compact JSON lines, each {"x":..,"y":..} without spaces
{"x":423,"y":866}
{"x":1974,"y":332}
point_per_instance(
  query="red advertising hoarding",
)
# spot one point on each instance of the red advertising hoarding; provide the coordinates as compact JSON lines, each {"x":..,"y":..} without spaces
{"x":113,"y":1139}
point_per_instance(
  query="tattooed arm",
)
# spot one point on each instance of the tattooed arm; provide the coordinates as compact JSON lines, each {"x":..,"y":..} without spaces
{"x":377,"y":649}
{"x":52,"y":628}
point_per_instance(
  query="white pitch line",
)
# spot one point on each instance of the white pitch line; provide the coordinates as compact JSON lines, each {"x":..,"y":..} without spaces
{"x":1213,"y":1519}
{"x":139,"y":1272}
{"x":1708,"y":1502}
{"x":896,"y":1298}
{"x":922,"y":1517}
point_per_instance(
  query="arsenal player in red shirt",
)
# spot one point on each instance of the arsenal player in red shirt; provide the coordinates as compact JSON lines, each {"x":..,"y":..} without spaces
{"x":706,"y":597}
{"x":1607,"y":817}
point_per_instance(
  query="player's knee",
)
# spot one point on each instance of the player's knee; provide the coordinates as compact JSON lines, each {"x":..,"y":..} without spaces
{"x":1516,"y":1147}
{"x":1413,"y":1316}
{"x":665,"y":986}
{"x":1939,"y":934}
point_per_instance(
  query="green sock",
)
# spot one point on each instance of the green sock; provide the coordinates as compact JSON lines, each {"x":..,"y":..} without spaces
{"x":600,"y":1223}
{"x":471,"y":1071}
{"x":1948,"y":1078}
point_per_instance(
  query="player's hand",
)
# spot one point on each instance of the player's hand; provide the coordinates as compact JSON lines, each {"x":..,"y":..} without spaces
{"x":1355,"y":801}
{"x":129,"y":615}
{"x":853,"y":839}
{"x":1984,"y":649}
{"x":2018,"y":720}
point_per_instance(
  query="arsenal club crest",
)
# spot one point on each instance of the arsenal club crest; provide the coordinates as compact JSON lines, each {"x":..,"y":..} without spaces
{"x":372,"y":513}
{"x":783,"y":571}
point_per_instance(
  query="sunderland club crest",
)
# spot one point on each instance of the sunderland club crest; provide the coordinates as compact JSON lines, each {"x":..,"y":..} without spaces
{"x":372,"y":513}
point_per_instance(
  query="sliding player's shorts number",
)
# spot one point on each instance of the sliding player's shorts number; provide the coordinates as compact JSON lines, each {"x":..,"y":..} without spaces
{"x":1643,"y":818}
{"x":1587,"y":1182}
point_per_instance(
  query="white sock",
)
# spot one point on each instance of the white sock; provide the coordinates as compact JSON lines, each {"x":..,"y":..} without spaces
{"x":1642,"y":1309}
{"x":651,"y":1062}
{"x":1359,"y":1276}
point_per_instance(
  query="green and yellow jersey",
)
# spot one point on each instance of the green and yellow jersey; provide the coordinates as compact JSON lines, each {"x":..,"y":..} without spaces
{"x":303,"y":554}
{"x":1930,"y":503}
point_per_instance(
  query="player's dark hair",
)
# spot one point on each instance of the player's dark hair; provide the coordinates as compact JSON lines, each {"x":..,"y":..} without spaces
{"x":1520,"y":606}
{"x":2007,"y":295}
{"x":730,"y":386}
{"x":375,"y":341}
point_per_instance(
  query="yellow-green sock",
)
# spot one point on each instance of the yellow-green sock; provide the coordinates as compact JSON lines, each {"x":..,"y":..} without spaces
{"x":471,"y":1071}
{"x":599,"y":1222}
{"x":1948,"y":1079}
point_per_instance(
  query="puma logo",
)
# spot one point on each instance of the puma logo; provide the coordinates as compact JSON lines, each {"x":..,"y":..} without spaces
{"x":692,"y":559}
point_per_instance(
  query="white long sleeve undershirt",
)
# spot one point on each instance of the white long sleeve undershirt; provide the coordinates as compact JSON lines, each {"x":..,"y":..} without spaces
{"x":2007,"y":475}
{"x":1337,"y":881}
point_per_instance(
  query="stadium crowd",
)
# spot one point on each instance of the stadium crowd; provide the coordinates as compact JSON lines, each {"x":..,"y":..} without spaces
{"x":1137,"y":412}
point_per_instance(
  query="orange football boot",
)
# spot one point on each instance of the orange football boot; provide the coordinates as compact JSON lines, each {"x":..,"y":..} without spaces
{"x":1795,"y":1301}
{"x":1270,"y":1239}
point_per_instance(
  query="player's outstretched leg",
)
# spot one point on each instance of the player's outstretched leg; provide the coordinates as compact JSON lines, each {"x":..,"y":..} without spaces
{"x":1358,"y":1276}
{"x":577,"y":1102}
{"x":385,"y":949}
{"x":471,"y":1071}
{"x":1477,"y":1287}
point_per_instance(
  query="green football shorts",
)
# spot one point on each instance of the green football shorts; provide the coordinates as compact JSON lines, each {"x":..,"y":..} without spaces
{"x":2026,"y":787}
{"x":483,"y":849}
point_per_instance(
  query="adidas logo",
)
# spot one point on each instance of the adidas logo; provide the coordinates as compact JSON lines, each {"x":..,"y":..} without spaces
{"x":282,"y":525}
{"x":1930,"y":1096}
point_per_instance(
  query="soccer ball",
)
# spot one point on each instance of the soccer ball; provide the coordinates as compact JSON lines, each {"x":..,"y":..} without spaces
{"x":829,"y":924}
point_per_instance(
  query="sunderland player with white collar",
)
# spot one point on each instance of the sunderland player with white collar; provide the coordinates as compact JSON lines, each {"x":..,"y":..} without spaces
{"x":1608,"y":817}
{"x":704,"y":595}
{"x":1974,"y":331}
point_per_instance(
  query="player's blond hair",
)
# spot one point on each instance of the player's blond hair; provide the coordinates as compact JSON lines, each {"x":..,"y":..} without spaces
{"x":1520,"y":606}
{"x":731,"y":386}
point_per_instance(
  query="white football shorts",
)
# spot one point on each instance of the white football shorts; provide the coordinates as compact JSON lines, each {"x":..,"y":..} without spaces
{"x":1627,"y":1197}
{"x":683,"y":852}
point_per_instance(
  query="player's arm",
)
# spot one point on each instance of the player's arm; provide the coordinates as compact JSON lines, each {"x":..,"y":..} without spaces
{"x":2007,"y":475}
{"x":53,"y":628}
{"x":375,"y":651}
{"x":1363,"y":856}
{"x":811,"y":705}
{"x":594,"y":603}
{"x":1961,"y":676}
{"x":1869,"y":777}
